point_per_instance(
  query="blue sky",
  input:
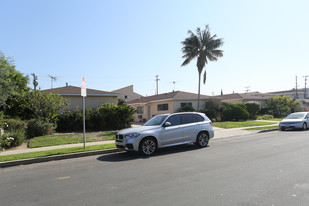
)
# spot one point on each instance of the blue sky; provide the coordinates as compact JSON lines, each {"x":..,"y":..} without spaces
{"x":118,"y":43}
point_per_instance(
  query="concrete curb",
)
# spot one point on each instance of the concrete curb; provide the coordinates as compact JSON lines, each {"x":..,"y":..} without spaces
{"x":55,"y":157}
{"x":268,"y":130}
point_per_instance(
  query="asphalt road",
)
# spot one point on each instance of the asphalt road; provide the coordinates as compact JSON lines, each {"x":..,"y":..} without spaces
{"x":261,"y":169}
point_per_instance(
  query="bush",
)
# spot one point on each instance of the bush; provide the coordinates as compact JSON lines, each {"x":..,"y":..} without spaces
{"x":106,"y":117}
{"x":186,"y":108}
{"x":253,"y":109}
{"x":265,"y":117}
{"x":235,"y":112}
{"x":13,"y":124}
{"x":12,"y":138}
{"x":38,"y":128}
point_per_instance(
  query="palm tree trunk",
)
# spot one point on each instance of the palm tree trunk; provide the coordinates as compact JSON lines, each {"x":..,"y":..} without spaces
{"x":199,"y":91}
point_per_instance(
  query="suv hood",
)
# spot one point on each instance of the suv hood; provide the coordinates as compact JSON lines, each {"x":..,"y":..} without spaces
{"x":292,"y":120}
{"x":138,"y":129}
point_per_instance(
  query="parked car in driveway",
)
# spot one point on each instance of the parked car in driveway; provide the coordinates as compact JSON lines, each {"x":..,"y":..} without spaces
{"x":166,"y":130}
{"x":298,"y":120}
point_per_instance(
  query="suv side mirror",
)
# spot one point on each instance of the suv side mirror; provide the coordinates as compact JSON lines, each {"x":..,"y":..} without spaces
{"x":167,"y":124}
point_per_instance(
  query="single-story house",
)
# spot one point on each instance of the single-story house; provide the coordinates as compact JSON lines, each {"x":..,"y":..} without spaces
{"x":244,"y":98}
{"x":293,"y":93}
{"x":94,"y":98}
{"x":170,"y":102}
{"x":127,"y":93}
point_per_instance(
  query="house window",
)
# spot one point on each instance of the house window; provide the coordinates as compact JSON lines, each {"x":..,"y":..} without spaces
{"x":162,"y":107}
{"x":182,"y":104}
{"x":127,"y":97}
{"x":140,"y":110}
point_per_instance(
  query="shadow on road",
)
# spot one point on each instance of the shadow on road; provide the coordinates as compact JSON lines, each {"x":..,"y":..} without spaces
{"x":127,"y":156}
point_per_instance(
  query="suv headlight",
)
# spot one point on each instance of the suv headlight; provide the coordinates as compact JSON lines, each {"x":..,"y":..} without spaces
{"x":131,"y":135}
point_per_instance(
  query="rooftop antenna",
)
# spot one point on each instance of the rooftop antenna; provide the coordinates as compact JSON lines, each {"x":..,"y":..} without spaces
{"x":52,"y":78}
{"x":247,"y":89}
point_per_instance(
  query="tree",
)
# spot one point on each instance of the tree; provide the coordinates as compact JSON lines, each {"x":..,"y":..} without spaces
{"x":213,"y":108}
{"x":12,"y":82}
{"x":38,"y":105}
{"x":280,"y":106}
{"x":204,"y":47}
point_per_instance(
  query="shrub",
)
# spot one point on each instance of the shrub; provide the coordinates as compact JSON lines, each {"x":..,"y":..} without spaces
{"x":106,"y":117}
{"x":235,"y":112}
{"x":13,"y":124}
{"x":186,"y":108}
{"x":253,"y":109}
{"x":265,"y":117}
{"x":38,"y":128}
{"x":13,"y":138}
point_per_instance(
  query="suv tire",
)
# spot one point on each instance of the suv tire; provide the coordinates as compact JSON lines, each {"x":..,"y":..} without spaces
{"x":202,"y":139}
{"x":148,"y":146}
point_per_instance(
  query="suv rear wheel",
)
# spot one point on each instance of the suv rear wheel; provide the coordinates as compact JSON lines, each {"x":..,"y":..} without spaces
{"x":148,"y":146}
{"x":202,"y":139}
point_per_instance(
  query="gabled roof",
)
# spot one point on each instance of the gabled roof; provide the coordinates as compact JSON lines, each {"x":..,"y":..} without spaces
{"x":177,"y":95}
{"x":250,"y":95}
{"x":126,"y":89}
{"x":76,"y":91}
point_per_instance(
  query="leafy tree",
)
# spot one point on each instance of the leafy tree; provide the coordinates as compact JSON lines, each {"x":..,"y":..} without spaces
{"x":204,"y":47}
{"x":280,"y":106}
{"x":38,"y":105}
{"x":213,"y":108}
{"x":253,"y":109}
{"x":12,"y":82}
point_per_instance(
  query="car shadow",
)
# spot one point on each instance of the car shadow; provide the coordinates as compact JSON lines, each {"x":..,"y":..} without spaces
{"x":127,"y":156}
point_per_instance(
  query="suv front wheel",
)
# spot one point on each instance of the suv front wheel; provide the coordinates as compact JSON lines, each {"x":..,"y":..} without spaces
{"x":148,"y":146}
{"x":202,"y":139}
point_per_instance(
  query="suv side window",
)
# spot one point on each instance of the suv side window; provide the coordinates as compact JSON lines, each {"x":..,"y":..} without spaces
{"x":199,"y":118}
{"x":174,"y":120}
{"x":188,"y":118}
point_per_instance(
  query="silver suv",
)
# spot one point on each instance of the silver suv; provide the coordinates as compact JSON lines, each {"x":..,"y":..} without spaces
{"x":167,"y":130}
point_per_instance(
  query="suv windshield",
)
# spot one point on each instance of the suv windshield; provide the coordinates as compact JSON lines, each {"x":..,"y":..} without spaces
{"x":296,"y":116}
{"x":156,"y":120}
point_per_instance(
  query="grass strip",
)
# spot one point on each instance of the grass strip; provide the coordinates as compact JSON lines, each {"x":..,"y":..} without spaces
{"x":230,"y":124}
{"x":60,"y":139}
{"x":55,"y":152}
{"x":263,"y":128}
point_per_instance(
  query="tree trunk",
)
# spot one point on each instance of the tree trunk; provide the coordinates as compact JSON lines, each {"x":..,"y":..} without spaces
{"x":199,"y":91}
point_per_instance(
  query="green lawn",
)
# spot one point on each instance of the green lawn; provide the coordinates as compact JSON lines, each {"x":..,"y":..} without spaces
{"x":55,"y":152}
{"x":59,"y":139}
{"x":263,"y":128}
{"x":230,"y":124}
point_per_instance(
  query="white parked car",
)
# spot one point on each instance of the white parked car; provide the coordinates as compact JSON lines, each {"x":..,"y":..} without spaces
{"x":298,"y":120}
{"x":167,"y":130}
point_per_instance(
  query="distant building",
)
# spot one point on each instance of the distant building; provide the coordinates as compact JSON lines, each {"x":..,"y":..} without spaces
{"x":299,"y":94}
{"x":170,"y":102}
{"x":127,"y":93}
{"x":94,"y":99}
{"x":244,"y":98}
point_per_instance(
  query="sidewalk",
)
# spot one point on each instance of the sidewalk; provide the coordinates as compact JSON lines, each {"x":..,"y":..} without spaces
{"x":219,"y":133}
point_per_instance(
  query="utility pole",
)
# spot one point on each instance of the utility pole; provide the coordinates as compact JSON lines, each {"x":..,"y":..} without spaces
{"x":296,"y":89}
{"x":35,"y":82}
{"x":157,"y":80}
{"x":52,"y":79}
{"x":305,"y":96}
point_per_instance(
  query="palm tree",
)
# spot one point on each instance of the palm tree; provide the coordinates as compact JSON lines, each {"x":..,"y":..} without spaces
{"x":203,"y":46}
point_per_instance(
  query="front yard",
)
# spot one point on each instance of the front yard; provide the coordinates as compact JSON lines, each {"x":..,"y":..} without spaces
{"x":230,"y":124}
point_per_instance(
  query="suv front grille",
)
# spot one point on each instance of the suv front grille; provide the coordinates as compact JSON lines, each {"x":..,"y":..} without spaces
{"x":119,"y":136}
